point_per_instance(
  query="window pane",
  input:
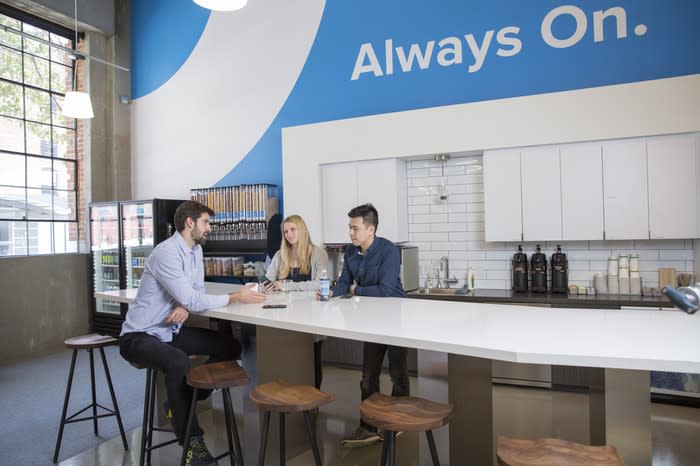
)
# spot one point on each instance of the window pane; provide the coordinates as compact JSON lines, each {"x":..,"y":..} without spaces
{"x":38,"y":106}
{"x":39,"y":237}
{"x":39,"y":173}
{"x":11,"y":134}
{"x":13,"y":170}
{"x":64,"y":205}
{"x":12,"y":203}
{"x":64,"y":142}
{"x":36,"y":71}
{"x":38,"y":139}
{"x":11,"y":100}
{"x":60,"y":55}
{"x":60,"y":78}
{"x":39,"y":204}
{"x":58,"y":117}
{"x":64,"y":174}
{"x":10,"y":38}
{"x":13,"y":239}
{"x":33,"y":46}
{"x":65,"y":237}
{"x":11,"y":61}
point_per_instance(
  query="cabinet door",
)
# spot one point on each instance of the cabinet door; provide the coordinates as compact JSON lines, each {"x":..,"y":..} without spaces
{"x":383,"y":184}
{"x":339,"y":196}
{"x":581,"y":191}
{"x":541,"y":193}
{"x":625,"y":189}
{"x":673,"y":202}
{"x":502,"y":207}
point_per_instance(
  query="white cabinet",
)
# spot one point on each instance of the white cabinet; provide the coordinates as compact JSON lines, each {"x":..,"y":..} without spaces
{"x":541,"y":194}
{"x":673,"y":199}
{"x":502,"y":200}
{"x":581,"y":191}
{"x":625,"y":189}
{"x":379,"y":182}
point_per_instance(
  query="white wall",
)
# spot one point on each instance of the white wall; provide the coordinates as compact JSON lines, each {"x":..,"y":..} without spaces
{"x":455,"y":228}
{"x":657,"y":107}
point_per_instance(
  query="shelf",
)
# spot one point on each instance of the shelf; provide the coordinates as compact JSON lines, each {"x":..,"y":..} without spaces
{"x":238,"y":247}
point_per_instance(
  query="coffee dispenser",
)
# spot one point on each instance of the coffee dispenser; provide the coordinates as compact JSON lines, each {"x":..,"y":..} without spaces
{"x":538,"y":265}
{"x":520,"y":270}
{"x":560,"y":272}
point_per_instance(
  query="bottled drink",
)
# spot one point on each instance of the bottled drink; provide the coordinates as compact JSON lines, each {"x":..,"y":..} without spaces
{"x":325,"y":286}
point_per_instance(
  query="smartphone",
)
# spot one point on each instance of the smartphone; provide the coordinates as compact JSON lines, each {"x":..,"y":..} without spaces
{"x":274,"y":306}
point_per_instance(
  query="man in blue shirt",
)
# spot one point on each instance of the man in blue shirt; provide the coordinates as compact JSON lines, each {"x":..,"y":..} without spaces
{"x":172,"y":287}
{"x":372,"y":268}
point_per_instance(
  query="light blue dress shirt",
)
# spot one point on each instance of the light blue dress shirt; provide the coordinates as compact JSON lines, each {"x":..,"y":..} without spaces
{"x":174,"y":274}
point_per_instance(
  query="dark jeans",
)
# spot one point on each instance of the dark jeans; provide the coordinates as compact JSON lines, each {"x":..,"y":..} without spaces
{"x":318,"y":363}
{"x":372,"y":359}
{"x":172,"y":359}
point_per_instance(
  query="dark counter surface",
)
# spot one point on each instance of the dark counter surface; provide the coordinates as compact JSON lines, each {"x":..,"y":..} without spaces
{"x":555,"y":299}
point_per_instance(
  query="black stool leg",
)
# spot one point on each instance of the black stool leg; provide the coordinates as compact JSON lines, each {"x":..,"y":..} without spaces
{"x":263,"y":440}
{"x":65,"y":406}
{"x":114,"y":398}
{"x":392,"y":446}
{"x":433,"y":450}
{"x":312,"y":437}
{"x":227,"y":400}
{"x":384,"y":452}
{"x":188,"y":431}
{"x":149,"y":412}
{"x":92,"y":386}
{"x":282,"y":442}
{"x":145,"y":423}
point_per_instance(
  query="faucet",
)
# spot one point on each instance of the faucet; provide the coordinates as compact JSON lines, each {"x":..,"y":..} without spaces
{"x":445,"y":266}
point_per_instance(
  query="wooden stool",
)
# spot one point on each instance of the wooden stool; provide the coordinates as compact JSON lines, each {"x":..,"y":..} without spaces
{"x":283,"y":397}
{"x":553,"y":452}
{"x":394,"y":414}
{"x":89,"y":342}
{"x":149,"y":425}
{"x":218,"y":375}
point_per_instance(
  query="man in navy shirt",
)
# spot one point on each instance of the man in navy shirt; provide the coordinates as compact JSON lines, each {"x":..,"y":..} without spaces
{"x":372,"y":268}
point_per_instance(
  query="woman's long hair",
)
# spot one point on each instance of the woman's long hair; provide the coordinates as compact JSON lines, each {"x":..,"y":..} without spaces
{"x":304,"y":248}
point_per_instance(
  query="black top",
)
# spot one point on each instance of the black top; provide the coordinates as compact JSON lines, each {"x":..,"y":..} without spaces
{"x":295,"y":275}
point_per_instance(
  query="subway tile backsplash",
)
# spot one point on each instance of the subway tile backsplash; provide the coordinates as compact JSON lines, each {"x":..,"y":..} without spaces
{"x":455,"y":228}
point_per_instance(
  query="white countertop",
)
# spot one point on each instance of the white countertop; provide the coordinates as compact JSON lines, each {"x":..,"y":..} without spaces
{"x":666,"y":340}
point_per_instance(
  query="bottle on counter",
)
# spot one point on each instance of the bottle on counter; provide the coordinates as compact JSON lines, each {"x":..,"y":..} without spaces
{"x":325,"y":286}
{"x":471,"y":279}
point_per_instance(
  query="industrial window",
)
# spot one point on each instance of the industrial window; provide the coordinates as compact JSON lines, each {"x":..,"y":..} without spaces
{"x":38,"y":145}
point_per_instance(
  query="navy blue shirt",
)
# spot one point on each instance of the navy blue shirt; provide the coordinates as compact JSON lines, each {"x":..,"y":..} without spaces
{"x":376,"y":273}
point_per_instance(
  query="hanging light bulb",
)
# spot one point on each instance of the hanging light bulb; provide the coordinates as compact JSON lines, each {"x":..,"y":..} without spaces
{"x":222,"y":5}
{"x":77,"y":104}
{"x":442,"y":190}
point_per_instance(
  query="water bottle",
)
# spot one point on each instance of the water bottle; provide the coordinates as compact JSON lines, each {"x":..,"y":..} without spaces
{"x":325,"y":286}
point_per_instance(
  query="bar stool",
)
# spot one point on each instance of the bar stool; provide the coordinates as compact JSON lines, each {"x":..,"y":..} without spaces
{"x":394,"y":414}
{"x":553,"y":452}
{"x":148,"y":426}
{"x":283,"y":397}
{"x":217,"y":375}
{"x":89,"y":343}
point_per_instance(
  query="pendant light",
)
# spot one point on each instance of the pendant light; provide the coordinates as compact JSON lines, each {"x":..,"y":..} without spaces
{"x":442,"y":191}
{"x":222,"y":5}
{"x":77,"y":104}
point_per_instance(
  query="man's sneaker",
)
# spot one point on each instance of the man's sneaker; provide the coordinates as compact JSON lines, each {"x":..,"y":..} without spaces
{"x":197,"y":454}
{"x":169,"y":414}
{"x":361,"y":438}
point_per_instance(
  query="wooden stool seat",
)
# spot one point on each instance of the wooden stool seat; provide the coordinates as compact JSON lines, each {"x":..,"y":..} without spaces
{"x":404,"y":413}
{"x":283,"y":397}
{"x":554,"y":452}
{"x":90,"y":341}
{"x":223,"y":374}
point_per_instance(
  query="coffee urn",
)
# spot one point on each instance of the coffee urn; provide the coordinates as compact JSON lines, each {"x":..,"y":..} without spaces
{"x":538,"y":265}
{"x":520,"y":270}
{"x":560,"y":272}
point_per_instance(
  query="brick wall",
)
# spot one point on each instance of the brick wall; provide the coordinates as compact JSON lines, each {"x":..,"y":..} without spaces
{"x":455,"y":228}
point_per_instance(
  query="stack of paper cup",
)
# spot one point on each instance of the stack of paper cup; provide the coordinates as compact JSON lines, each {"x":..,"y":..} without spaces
{"x":635,"y":277}
{"x":623,"y":274}
{"x":600,"y":283}
{"x":613,"y":285}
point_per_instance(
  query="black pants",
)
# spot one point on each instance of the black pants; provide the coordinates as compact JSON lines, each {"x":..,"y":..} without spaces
{"x":172,"y":359}
{"x":372,"y":359}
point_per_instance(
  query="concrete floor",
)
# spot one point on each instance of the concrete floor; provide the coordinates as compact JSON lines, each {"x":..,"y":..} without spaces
{"x":518,"y":412}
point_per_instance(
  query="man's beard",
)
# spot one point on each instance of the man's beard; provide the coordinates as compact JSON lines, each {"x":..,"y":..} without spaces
{"x":198,"y":237}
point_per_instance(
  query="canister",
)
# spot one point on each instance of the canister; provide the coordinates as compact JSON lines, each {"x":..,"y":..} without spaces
{"x":612,"y":266}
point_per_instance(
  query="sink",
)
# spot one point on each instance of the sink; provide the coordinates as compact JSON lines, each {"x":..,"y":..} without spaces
{"x":436,"y":291}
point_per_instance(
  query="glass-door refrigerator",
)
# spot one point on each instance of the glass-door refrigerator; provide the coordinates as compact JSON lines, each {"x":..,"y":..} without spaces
{"x":124,"y":241}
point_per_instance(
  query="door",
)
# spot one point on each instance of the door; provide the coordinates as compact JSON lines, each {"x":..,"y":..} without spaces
{"x":104,"y":246}
{"x":383,"y":184}
{"x":137,"y":238}
{"x":581,"y":192}
{"x":625,"y":189}
{"x":673,"y":201}
{"x":502,"y":195}
{"x":339,"y":196}
{"x":541,"y":193}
